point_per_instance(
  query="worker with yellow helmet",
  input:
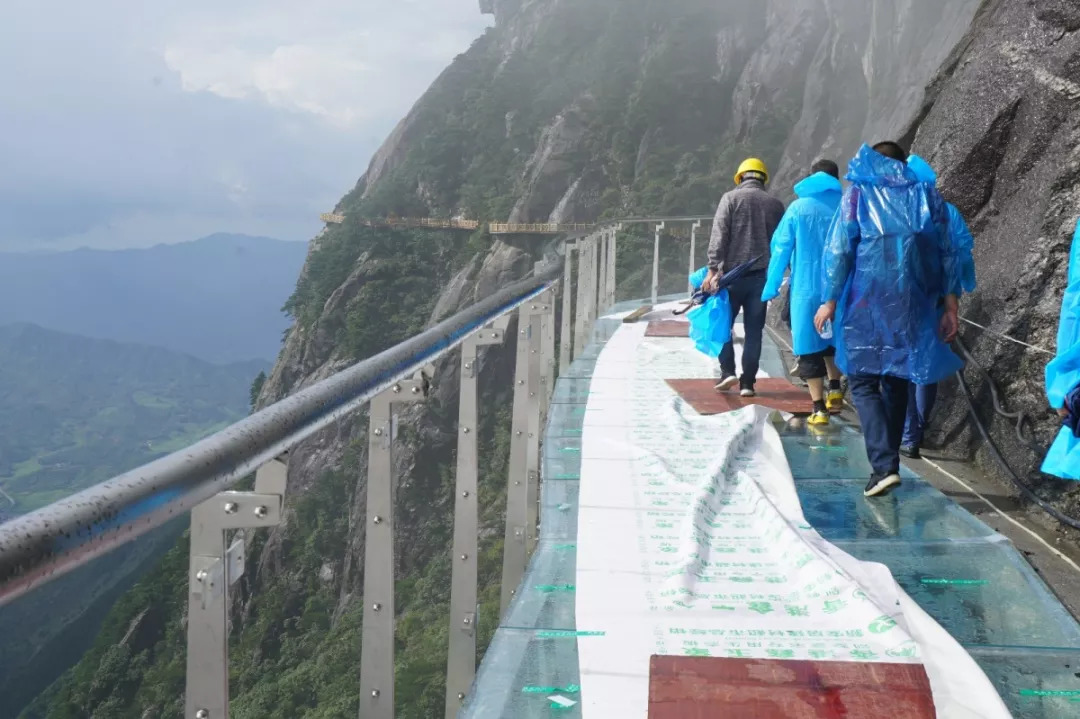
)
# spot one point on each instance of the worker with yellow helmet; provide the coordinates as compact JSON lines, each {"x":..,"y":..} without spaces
{"x":742,"y":230}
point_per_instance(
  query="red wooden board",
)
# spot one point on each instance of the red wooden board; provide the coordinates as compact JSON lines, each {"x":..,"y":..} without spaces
{"x":668,"y":328}
{"x":773,"y":393}
{"x":710,"y":688}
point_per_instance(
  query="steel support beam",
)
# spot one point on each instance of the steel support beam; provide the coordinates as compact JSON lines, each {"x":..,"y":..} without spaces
{"x":656,"y":262}
{"x":215,"y":564}
{"x":602,"y":266}
{"x":522,"y":491}
{"x":693,"y":249}
{"x":613,"y":264}
{"x":580,"y":320}
{"x":461,"y":657}
{"x":566,"y":341}
{"x":590,"y":284}
{"x":377,"y":639}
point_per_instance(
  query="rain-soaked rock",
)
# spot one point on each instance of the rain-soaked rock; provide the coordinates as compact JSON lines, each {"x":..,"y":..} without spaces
{"x":1000,"y":125}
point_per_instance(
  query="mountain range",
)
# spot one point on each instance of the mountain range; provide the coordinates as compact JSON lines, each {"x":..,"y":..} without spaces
{"x":218,"y":298}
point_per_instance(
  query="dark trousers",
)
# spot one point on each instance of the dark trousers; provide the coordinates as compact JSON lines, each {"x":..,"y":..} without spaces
{"x":882,"y":406}
{"x":921,"y":399}
{"x":745,"y":296}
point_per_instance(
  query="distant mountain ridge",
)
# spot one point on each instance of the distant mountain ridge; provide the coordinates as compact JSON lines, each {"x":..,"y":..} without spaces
{"x":218,"y":298}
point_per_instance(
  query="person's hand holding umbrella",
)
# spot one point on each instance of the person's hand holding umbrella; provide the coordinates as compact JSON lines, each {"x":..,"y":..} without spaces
{"x":711,"y":281}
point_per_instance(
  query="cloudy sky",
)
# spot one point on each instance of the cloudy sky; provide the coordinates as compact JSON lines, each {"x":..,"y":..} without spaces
{"x":132,"y":122}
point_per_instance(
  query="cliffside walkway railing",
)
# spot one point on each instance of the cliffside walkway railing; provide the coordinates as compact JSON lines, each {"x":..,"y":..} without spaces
{"x":570,"y":297}
{"x":47,"y":543}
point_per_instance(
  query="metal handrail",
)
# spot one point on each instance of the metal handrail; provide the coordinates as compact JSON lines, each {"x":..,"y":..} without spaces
{"x":49,"y":542}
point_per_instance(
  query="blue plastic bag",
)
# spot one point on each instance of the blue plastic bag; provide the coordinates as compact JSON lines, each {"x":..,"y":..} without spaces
{"x":698,"y":278}
{"x":1063,"y":373}
{"x":710,"y":322}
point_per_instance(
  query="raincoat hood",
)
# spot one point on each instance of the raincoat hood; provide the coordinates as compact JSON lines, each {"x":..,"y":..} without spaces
{"x":819,"y":183}
{"x":921,"y":168}
{"x":870,"y":167}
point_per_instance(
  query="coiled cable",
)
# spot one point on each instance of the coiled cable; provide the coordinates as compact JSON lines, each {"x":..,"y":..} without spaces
{"x":1021,"y":420}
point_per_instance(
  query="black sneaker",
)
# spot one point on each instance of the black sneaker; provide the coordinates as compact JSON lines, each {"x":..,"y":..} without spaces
{"x":880,"y":484}
{"x":911,"y":451}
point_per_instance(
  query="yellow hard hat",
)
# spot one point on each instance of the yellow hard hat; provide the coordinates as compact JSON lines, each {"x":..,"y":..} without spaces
{"x":751,"y":165}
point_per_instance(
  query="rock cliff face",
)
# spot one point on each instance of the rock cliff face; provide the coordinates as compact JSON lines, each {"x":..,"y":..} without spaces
{"x":567,"y":110}
{"x":1000,"y":124}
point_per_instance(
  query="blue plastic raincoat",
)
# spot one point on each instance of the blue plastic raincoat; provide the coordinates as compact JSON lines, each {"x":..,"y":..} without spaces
{"x":710,"y":322}
{"x":1063,"y":372}
{"x":888,"y":261}
{"x":799,"y":242}
{"x":959,"y":234}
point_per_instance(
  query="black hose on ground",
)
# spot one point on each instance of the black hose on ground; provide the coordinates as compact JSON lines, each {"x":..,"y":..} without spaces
{"x":1020,"y":417}
{"x":1024,"y":489}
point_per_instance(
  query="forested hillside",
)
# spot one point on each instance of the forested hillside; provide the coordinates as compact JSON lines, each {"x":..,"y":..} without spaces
{"x":75,"y":412}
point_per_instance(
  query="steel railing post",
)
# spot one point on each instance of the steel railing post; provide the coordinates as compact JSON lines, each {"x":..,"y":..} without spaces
{"x":377,"y":638}
{"x":214,"y":566}
{"x":693,"y":248}
{"x":565,"y":323}
{"x":656,"y":262}
{"x":461,"y":656}
{"x":612,"y":269}
{"x":601,"y":272}
{"x":547,"y":356}
{"x":590,"y":286}
{"x":542,"y":317}
{"x":523,"y":433}
{"x":579,"y":307}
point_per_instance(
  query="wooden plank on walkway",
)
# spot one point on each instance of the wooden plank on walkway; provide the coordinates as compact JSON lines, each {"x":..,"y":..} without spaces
{"x":668,"y":328}
{"x":637,"y":314}
{"x":708,"y":687}
{"x":773,"y":393}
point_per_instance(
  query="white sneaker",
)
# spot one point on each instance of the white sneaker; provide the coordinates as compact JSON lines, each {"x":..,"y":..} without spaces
{"x":747,"y":392}
{"x":726,"y":383}
{"x":879,"y":485}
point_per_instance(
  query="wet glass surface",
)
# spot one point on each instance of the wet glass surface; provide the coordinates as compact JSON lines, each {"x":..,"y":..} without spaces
{"x":1035,"y":684}
{"x":980,"y":592}
{"x":958,"y":569}
{"x":522,"y":669}
{"x":914,"y":511}
{"x":546,"y":598}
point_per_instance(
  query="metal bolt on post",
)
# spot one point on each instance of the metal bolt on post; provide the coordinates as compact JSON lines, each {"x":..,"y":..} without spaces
{"x":377,"y":638}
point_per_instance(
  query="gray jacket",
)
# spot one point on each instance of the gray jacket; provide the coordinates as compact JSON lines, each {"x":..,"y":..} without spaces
{"x":744,"y":226}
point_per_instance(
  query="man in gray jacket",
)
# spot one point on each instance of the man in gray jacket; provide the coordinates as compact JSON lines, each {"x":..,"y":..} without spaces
{"x":742,"y":230}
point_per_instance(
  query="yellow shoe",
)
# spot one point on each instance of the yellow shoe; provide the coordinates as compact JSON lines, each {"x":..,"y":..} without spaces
{"x":834,"y":400}
{"x":818,"y":419}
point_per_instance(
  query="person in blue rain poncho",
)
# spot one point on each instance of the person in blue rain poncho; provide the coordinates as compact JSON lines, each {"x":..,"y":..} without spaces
{"x":799,"y":243}
{"x":888,"y":262}
{"x":1063,"y":377}
{"x":921,"y":397}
